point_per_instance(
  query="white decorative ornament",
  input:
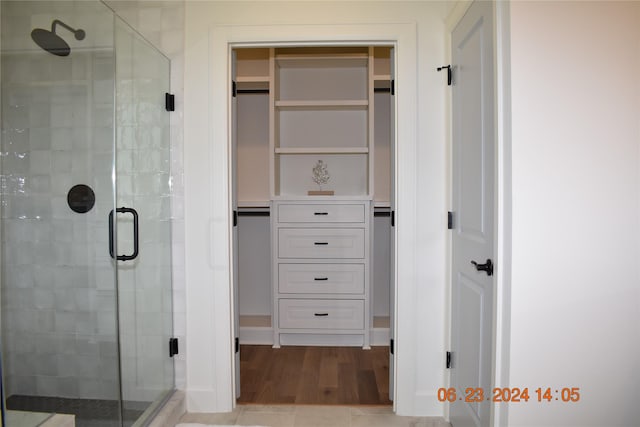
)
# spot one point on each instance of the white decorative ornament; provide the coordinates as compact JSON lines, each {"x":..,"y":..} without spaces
{"x":320,"y":174}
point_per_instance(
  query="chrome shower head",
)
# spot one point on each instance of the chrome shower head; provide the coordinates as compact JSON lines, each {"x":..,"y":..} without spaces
{"x":52,"y":42}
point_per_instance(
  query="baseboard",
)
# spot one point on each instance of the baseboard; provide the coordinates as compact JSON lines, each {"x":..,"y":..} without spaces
{"x":207,"y":401}
{"x":171,"y":412}
{"x":255,"y":335}
{"x":348,"y":340}
{"x":427,"y":405}
{"x":379,"y":336}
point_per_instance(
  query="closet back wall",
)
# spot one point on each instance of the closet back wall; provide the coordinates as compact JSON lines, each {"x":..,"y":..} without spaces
{"x":254,"y":278}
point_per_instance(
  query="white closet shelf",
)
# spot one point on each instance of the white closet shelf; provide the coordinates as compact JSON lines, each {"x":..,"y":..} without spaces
{"x":259,"y":321}
{"x":322,"y":150}
{"x":382,"y":204}
{"x":347,"y":198}
{"x":381,"y":321}
{"x":252,"y":79}
{"x":253,"y":204}
{"x":382,"y":77}
{"x":328,"y":104}
{"x":252,"y":85}
{"x":322,"y":61}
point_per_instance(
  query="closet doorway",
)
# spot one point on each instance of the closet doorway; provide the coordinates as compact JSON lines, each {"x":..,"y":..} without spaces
{"x":312,"y":147}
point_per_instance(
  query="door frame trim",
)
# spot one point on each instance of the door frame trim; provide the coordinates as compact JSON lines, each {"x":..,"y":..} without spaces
{"x":212,"y":358}
{"x":503,"y":207}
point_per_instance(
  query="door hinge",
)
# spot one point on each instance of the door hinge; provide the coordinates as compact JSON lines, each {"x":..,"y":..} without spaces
{"x":235,"y":218}
{"x":449,"y":73}
{"x":237,"y":344}
{"x":234,"y":88}
{"x":169,"y":102}
{"x":393,"y":87}
{"x":393,"y":218}
{"x":173,"y":346}
{"x":391,"y":347}
{"x":449,"y":220}
{"x":448,"y":360}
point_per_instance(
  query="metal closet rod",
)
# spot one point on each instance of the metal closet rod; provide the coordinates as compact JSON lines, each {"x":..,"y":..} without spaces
{"x":254,"y":213}
{"x":252,"y":91}
{"x":265,"y":211}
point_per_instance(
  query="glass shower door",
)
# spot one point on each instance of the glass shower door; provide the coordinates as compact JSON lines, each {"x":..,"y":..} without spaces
{"x":143,"y":224}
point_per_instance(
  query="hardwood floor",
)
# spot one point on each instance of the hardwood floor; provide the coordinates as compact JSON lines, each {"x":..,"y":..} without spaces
{"x":314,"y":375}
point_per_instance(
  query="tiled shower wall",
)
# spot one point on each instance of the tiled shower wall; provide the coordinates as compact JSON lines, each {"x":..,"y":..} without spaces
{"x":73,"y":320}
{"x":58,"y":297}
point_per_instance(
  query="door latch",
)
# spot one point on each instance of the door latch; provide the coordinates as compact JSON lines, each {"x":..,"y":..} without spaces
{"x":486,"y":267}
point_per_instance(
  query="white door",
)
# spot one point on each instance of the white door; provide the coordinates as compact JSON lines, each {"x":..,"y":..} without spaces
{"x":234,"y":207}
{"x":473,"y":215}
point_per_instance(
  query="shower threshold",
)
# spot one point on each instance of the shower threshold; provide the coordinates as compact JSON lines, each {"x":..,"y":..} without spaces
{"x":39,"y":419}
{"x":88,"y":412}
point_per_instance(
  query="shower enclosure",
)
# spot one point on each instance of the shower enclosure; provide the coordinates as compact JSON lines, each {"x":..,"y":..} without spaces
{"x":85,"y":256}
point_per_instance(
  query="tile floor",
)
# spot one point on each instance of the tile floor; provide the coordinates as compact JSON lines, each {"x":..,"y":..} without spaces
{"x":88,"y":412}
{"x":313,"y":416}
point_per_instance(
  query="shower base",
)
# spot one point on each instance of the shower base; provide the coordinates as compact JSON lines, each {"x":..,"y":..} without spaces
{"x":88,"y":412}
{"x":39,"y":419}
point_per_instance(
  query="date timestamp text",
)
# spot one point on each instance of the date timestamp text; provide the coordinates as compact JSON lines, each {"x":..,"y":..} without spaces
{"x":510,"y":394}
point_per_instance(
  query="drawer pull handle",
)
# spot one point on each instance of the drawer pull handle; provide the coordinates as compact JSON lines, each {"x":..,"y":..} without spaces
{"x":320,"y":243}
{"x":321,"y":314}
{"x":320,"y":279}
{"x":321,"y":213}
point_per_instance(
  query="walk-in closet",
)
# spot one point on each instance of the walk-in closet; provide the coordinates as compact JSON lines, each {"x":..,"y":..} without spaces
{"x":312,"y":194}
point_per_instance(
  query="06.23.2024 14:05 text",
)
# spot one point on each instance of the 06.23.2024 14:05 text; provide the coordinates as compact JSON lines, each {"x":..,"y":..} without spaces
{"x":510,"y":394}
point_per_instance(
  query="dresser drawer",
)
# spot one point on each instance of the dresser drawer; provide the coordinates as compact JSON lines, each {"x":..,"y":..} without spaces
{"x":317,"y":213}
{"x":321,"y":243}
{"x":321,"y":278}
{"x":321,"y":314}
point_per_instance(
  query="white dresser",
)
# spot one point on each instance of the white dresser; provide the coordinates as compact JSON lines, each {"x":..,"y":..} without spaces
{"x":321,"y":252}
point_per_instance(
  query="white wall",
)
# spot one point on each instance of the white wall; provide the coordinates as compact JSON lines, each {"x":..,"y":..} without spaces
{"x":207,"y":387}
{"x":576,"y":194}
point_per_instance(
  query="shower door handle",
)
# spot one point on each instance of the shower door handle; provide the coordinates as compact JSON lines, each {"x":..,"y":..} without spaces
{"x":135,"y":234}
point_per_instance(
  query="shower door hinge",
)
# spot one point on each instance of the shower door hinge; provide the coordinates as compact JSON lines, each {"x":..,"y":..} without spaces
{"x":169,"y":102}
{"x":449,"y":220}
{"x":237,"y":344}
{"x":393,"y":87}
{"x":393,"y":218}
{"x":449,"y":73}
{"x":448,"y":361}
{"x":234,"y":88}
{"x":173,"y":346}
{"x":391,"y":349}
